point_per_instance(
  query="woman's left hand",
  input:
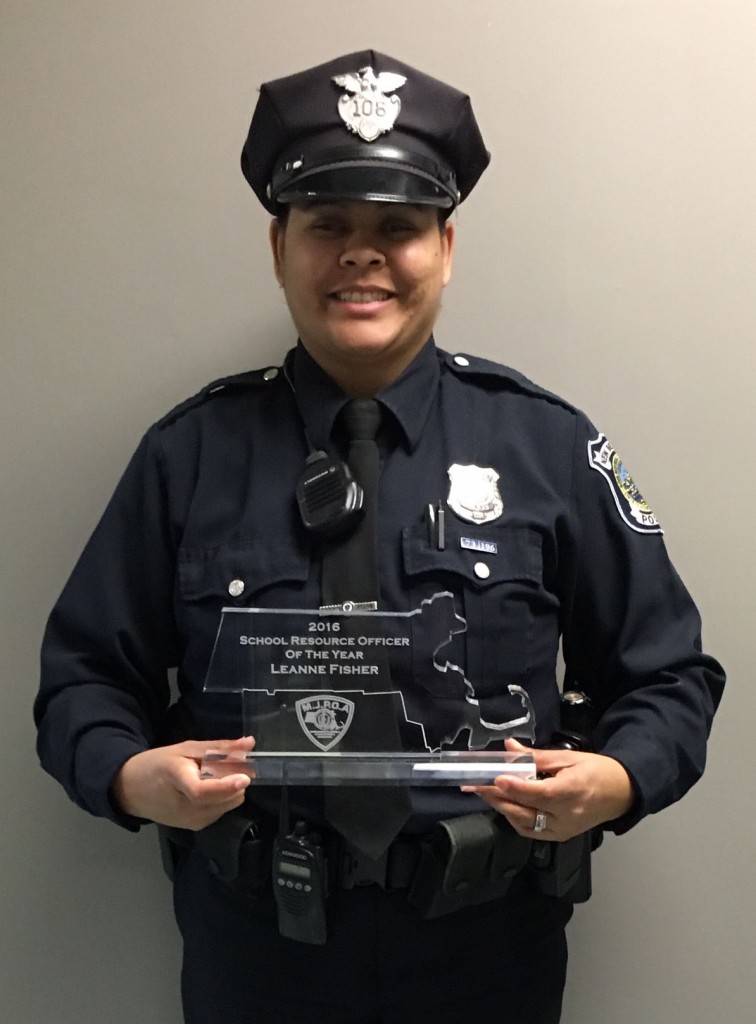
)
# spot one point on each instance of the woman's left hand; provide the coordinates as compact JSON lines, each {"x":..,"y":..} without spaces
{"x":581,"y":791}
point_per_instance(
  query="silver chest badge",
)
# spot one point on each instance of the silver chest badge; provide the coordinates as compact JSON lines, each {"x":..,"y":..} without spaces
{"x":369,"y":112}
{"x":474,"y":494}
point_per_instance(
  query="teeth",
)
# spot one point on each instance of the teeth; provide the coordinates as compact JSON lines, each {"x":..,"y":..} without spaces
{"x":361,"y":296}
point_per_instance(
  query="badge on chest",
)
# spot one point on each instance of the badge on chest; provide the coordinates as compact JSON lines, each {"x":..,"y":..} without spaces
{"x":474,"y":493}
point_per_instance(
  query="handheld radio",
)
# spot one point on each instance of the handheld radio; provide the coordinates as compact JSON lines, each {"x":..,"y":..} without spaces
{"x":300,"y":885}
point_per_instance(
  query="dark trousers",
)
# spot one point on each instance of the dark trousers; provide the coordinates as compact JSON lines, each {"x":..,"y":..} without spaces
{"x":502,"y":962}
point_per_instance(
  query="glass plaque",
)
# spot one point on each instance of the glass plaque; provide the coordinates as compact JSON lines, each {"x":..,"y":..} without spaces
{"x":347,"y":695}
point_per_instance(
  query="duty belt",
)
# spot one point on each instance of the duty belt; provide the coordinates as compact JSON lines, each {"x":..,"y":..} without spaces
{"x":461,"y":862}
{"x":395,"y":869}
{"x":237,"y":850}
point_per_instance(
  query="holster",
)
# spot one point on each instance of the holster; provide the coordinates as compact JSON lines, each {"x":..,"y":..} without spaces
{"x":234,"y":849}
{"x":466,"y":861}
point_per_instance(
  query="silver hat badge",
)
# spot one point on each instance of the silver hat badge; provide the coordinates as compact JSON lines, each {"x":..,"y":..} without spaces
{"x":369,"y":112}
{"x":474,"y":494}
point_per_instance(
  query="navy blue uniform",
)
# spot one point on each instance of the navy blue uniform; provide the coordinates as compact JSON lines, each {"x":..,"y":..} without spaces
{"x":208,"y":498}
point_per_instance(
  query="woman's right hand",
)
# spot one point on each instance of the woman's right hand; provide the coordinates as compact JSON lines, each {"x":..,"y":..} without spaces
{"x":164,"y":784}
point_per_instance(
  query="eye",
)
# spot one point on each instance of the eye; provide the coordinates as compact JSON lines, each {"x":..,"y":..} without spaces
{"x":327,"y":225}
{"x":324,"y":227}
{"x":400,"y":228}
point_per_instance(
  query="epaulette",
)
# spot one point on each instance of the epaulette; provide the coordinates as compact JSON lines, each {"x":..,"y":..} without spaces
{"x":488,"y":373}
{"x":237,"y":381}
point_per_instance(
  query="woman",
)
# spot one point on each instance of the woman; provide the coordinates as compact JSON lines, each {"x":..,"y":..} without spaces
{"x":545,"y":536}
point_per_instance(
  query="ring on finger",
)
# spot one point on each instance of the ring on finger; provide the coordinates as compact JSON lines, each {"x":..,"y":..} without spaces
{"x":540,"y":822}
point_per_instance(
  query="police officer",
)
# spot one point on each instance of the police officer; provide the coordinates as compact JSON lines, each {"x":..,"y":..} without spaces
{"x":360,"y":161}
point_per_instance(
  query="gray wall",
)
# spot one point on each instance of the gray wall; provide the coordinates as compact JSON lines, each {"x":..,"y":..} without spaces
{"x":609,"y":252}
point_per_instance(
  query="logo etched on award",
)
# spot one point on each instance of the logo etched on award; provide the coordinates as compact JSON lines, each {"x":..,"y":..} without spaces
{"x":324,"y":720}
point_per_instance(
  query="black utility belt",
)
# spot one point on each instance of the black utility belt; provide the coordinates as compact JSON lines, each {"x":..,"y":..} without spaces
{"x":463,"y":861}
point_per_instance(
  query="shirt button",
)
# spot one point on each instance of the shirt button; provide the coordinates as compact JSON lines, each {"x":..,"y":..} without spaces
{"x":236,"y":588}
{"x":461,"y":360}
{"x":482,"y":571}
{"x":270,"y":374}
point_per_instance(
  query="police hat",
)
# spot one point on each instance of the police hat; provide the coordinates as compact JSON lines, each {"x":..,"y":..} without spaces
{"x":365,"y":127}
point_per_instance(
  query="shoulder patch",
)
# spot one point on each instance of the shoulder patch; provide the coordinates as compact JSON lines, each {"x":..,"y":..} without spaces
{"x":252,"y":378}
{"x":631,"y":504}
{"x":485,"y":370}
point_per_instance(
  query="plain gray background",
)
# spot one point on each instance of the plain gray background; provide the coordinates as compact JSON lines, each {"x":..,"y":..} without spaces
{"x":609,"y":252}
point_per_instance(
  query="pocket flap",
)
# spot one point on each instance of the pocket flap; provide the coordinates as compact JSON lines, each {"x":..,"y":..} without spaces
{"x":238,"y":571}
{"x":483,"y":556}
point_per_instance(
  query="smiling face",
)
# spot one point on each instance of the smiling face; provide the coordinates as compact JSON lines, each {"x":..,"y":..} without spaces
{"x":363,"y":282}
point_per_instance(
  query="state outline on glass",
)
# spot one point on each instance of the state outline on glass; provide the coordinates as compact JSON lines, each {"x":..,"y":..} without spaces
{"x":325,"y":724}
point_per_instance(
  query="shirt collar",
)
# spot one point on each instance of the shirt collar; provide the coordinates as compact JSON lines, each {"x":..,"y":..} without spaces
{"x":320,"y":399}
{"x":413,"y":393}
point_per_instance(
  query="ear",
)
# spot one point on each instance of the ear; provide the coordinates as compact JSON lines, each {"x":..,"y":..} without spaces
{"x":277,"y":236}
{"x":447,"y":239}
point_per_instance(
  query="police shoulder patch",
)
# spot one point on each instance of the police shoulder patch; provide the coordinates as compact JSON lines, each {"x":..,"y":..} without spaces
{"x":630,"y":503}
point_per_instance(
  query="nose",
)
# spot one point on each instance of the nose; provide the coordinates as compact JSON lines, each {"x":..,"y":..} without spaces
{"x":361,"y":252}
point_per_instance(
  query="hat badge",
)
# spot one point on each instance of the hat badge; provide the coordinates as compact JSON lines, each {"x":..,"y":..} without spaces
{"x":369,"y":111}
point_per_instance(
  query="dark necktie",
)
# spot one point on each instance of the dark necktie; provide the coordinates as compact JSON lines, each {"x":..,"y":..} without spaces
{"x":368,"y":816}
{"x":350,"y":571}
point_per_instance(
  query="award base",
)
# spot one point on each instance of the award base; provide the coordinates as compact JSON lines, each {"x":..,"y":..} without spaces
{"x":448,"y":768}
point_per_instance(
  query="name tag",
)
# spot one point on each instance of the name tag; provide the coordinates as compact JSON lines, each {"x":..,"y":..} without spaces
{"x":474,"y":544}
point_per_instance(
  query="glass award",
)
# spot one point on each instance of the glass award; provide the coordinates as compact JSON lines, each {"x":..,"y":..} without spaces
{"x":344,"y":695}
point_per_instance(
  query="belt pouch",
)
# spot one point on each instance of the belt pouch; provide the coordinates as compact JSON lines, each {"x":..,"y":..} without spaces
{"x":468,"y":860}
{"x":563,"y":869}
{"x":235,"y":852}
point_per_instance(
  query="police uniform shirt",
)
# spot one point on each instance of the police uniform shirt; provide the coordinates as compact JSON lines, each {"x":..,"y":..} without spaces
{"x":205,"y":517}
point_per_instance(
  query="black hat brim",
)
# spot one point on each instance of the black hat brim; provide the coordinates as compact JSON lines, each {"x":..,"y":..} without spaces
{"x":355,"y":181}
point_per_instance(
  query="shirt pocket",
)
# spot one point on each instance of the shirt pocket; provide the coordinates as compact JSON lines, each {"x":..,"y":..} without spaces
{"x":496,"y":576}
{"x":237,"y":574}
{"x":260,"y":574}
